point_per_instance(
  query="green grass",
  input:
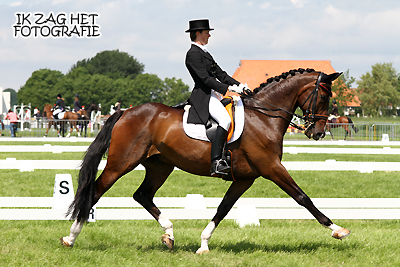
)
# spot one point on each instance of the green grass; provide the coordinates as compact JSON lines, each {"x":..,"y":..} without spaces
{"x":274,"y":243}
{"x":376,"y":120}
{"x":43,"y":155}
{"x":136,"y":243}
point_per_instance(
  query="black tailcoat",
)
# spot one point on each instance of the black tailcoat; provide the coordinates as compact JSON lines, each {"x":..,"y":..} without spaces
{"x":205,"y":72}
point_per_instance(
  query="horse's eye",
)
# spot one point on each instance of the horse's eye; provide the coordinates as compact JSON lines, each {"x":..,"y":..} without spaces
{"x":324,"y":97}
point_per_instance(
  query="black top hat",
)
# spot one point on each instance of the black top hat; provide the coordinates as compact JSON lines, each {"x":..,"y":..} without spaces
{"x":199,"y":24}
{"x":77,"y":95}
{"x":59,"y":95}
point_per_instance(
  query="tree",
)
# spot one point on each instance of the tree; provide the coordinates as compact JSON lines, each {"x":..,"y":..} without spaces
{"x":13,"y":96}
{"x":40,"y":88}
{"x":114,"y":64}
{"x":174,"y":92}
{"x":145,"y":88}
{"x":104,"y":79}
{"x":378,"y":90}
{"x":341,"y":87}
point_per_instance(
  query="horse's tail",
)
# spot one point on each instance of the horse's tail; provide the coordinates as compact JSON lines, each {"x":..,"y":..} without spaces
{"x":352,"y":125}
{"x":83,"y":202}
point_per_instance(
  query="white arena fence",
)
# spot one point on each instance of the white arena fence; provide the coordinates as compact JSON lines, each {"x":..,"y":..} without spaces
{"x":365,"y":132}
{"x":182,"y":208}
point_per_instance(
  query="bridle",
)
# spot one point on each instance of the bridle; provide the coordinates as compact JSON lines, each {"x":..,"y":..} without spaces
{"x":310,"y":114}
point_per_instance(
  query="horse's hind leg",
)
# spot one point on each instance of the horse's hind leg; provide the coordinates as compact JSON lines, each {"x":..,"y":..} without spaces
{"x":282,"y":178}
{"x":156,"y":174}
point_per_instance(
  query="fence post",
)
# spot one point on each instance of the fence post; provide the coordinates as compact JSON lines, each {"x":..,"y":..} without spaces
{"x":63,"y":193}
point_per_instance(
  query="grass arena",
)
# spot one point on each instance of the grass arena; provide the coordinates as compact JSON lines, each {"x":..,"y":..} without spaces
{"x":276,"y":242}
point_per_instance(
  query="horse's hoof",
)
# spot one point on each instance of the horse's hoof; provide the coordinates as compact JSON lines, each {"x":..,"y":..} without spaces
{"x":201,"y":251}
{"x":168,"y":241}
{"x":65,"y":243}
{"x":341,"y":233}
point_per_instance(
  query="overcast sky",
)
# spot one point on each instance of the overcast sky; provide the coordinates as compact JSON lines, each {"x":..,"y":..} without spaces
{"x":353,"y":34}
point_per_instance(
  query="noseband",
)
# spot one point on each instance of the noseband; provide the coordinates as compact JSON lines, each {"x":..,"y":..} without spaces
{"x":310,"y":116}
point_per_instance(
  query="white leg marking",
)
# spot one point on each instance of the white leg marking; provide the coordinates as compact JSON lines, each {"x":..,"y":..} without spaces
{"x":166,"y":225}
{"x":334,"y":227}
{"x":205,"y":237}
{"x":74,"y":232}
{"x":338,"y":232}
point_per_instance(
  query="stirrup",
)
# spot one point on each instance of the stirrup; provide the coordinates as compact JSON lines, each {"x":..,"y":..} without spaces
{"x":219,"y":167}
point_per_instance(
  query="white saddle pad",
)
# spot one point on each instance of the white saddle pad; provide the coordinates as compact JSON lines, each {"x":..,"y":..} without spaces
{"x":198,"y":131}
{"x":60,"y":115}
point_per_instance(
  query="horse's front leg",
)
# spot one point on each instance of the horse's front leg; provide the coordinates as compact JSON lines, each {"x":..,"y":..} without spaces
{"x":282,"y":178}
{"x":234,"y":192}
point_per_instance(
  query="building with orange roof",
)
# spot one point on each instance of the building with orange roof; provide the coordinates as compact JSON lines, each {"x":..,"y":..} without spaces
{"x":255,"y":72}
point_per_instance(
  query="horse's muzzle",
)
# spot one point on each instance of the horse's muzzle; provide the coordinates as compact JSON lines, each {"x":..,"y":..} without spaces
{"x":311,"y":132}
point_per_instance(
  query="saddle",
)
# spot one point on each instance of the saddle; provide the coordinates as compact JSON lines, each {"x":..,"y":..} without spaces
{"x":235,"y":108}
{"x":332,"y":119}
{"x":59,"y":116}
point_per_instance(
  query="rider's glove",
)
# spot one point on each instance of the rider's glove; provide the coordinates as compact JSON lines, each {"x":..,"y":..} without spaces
{"x":239,"y":88}
{"x":244,"y":86}
{"x":235,"y":88}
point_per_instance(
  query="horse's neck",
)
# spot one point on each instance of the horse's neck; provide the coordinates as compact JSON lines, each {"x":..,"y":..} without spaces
{"x":283,"y":94}
{"x":282,"y":97}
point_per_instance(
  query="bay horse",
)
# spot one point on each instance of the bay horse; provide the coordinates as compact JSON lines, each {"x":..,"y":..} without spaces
{"x":48,"y":113}
{"x":69,"y":116}
{"x":72,"y":119}
{"x":344,"y":122}
{"x":152,"y":135}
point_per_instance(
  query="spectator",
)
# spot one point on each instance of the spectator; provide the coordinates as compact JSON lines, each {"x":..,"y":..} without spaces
{"x":12,"y":116}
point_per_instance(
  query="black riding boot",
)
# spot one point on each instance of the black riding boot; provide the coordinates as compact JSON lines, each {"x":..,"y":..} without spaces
{"x":219,"y":165}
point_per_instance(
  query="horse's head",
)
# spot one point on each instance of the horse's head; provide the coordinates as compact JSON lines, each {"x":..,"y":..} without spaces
{"x":93,"y":107}
{"x":314,"y":102}
{"x":81,"y":113}
{"x":47,"y":111}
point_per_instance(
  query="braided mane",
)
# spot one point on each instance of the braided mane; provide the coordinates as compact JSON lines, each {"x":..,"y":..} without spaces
{"x":277,"y":79}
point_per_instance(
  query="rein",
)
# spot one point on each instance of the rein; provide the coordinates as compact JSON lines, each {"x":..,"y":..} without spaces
{"x":308,"y":118}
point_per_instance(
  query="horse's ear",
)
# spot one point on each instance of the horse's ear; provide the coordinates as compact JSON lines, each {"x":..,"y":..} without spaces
{"x":331,"y":77}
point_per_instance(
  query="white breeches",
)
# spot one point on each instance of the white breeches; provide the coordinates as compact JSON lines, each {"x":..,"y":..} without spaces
{"x":218,"y":112}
